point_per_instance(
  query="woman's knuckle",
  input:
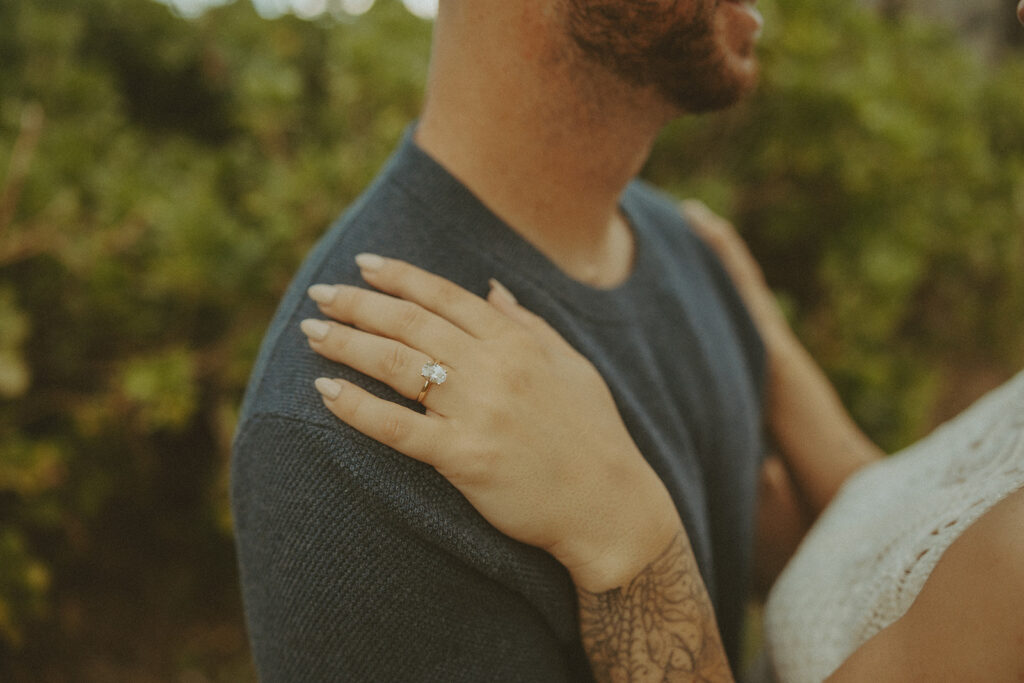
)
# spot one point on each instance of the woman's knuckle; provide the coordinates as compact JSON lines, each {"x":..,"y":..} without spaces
{"x":397,"y":272}
{"x":343,"y":303}
{"x":408,"y":319}
{"x":477,"y":466}
{"x":351,"y":407}
{"x":358,"y":306}
{"x":339,"y":339}
{"x":393,"y":430}
{"x":447,"y":297}
{"x":394,"y":362}
{"x":516,"y":380}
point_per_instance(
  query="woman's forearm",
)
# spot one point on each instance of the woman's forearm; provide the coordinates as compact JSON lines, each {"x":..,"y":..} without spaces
{"x":815,"y":435}
{"x":660,"y":626}
{"x":817,"y":438}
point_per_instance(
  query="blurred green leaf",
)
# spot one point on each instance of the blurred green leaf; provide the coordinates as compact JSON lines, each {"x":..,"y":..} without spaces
{"x":14,"y":373}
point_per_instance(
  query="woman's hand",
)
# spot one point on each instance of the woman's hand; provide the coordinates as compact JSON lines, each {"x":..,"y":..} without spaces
{"x":523,"y":425}
{"x":746,"y":274}
{"x":526,"y":428}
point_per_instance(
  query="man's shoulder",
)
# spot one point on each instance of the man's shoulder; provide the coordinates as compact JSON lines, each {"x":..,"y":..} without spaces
{"x":690,"y":267}
{"x":656,"y":206}
{"x":648,"y":191}
{"x":388,"y":218}
{"x":657,"y":217}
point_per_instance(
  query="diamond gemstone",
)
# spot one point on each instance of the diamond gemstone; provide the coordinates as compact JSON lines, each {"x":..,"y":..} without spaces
{"x":434,"y":373}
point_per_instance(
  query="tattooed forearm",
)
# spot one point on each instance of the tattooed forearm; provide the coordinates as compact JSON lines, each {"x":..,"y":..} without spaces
{"x":661,"y":627}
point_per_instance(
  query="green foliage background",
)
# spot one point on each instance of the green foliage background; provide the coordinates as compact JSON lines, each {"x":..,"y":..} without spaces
{"x":164,"y":177}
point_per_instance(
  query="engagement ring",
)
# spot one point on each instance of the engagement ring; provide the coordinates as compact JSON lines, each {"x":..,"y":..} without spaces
{"x":432,"y":373}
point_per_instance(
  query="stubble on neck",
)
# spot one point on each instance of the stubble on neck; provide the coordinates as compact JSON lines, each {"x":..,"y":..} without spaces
{"x":547,"y":138}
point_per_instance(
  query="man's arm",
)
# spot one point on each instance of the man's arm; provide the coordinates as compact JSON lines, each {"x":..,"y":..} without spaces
{"x":360,"y":564}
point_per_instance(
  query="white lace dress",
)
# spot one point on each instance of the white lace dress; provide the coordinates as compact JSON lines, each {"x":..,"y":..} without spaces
{"x":866,"y":559}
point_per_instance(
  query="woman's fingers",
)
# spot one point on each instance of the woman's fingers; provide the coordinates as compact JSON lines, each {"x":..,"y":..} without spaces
{"x":416,"y":435}
{"x":732,"y":252}
{"x":505,"y":301}
{"x":393,"y":318}
{"x":709,"y":226}
{"x":434,"y":293}
{"x":384,"y":359}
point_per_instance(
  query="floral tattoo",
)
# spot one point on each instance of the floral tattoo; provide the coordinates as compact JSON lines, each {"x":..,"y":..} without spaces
{"x":661,"y":627}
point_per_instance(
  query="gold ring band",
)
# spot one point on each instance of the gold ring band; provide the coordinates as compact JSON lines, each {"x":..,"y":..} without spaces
{"x":423,"y":391}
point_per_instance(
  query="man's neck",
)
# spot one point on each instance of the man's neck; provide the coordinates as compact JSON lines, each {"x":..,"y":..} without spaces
{"x":528,"y":133}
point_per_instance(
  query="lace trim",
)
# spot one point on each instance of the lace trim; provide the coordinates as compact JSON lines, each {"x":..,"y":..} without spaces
{"x":867,"y":558}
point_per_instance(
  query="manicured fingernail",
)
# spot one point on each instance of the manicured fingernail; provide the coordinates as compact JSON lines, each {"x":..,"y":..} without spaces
{"x":500,"y":290}
{"x":322,"y":294}
{"x":369,"y":262}
{"x":328,"y":388}
{"x":315,"y":329}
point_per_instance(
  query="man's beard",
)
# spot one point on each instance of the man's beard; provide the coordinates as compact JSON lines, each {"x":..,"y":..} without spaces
{"x":647,"y":44}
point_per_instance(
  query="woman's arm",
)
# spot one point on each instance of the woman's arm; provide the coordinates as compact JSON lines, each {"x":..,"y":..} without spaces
{"x":816,"y":437}
{"x":660,"y":626}
{"x":527,"y":430}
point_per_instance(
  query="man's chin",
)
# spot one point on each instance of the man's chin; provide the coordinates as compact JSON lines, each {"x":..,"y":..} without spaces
{"x":723,"y":94}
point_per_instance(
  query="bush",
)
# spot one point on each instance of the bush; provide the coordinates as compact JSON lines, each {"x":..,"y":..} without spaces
{"x":166,"y":178}
{"x":878,"y":175}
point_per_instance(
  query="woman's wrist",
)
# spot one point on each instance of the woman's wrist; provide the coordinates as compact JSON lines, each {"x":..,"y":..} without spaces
{"x":619,"y":565}
{"x":624,"y":535}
